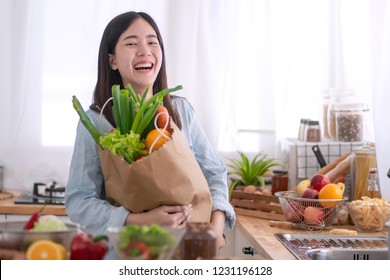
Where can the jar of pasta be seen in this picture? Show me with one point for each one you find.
(362, 160)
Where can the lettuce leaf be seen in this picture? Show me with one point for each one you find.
(127, 145)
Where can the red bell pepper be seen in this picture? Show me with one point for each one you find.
(85, 246)
(34, 218)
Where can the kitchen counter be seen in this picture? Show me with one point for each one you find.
(256, 230)
(8, 207)
(261, 236)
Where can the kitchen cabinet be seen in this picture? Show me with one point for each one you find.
(238, 243)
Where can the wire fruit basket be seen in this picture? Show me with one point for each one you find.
(309, 213)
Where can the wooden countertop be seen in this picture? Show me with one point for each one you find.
(261, 236)
(7, 206)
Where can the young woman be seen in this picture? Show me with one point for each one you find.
(132, 51)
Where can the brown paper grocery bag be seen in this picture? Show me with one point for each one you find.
(168, 176)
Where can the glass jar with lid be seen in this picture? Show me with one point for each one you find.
(350, 121)
(313, 131)
(336, 97)
(279, 181)
(363, 158)
(199, 242)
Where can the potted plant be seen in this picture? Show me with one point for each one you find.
(249, 172)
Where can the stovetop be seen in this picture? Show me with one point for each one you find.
(49, 193)
(300, 244)
(32, 199)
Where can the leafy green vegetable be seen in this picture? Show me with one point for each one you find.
(128, 145)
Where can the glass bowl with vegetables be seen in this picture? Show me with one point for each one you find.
(46, 232)
(135, 242)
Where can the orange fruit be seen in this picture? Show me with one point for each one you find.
(46, 250)
(155, 136)
(330, 191)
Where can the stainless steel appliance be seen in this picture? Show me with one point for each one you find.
(335, 247)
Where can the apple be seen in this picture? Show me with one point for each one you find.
(318, 181)
(294, 212)
(313, 216)
(310, 193)
(302, 186)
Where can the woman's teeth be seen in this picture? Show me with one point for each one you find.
(143, 66)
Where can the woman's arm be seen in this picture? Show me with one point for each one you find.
(85, 198)
(217, 223)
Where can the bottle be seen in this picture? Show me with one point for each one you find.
(373, 190)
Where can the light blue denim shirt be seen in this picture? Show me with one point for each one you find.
(85, 194)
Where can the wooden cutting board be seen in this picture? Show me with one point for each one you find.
(5, 195)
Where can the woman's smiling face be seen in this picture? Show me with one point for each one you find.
(138, 56)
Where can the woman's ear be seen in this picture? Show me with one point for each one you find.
(111, 58)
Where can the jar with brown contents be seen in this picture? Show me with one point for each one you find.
(199, 242)
(313, 132)
(349, 122)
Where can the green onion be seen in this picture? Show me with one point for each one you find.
(115, 108)
(146, 105)
(85, 120)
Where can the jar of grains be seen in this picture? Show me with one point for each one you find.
(337, 97)
(350, 121)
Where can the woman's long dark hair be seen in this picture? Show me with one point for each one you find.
(107, 77)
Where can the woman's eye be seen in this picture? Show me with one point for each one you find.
(131, 44)
(153, 43)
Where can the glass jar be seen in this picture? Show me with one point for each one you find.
(313, 132)
(350, 121)
(279, 181)
(336, 97)
(199, 242)
(325, 110)
(302, 129)
(362, 159)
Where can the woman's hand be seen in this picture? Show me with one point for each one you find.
(170, 216)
